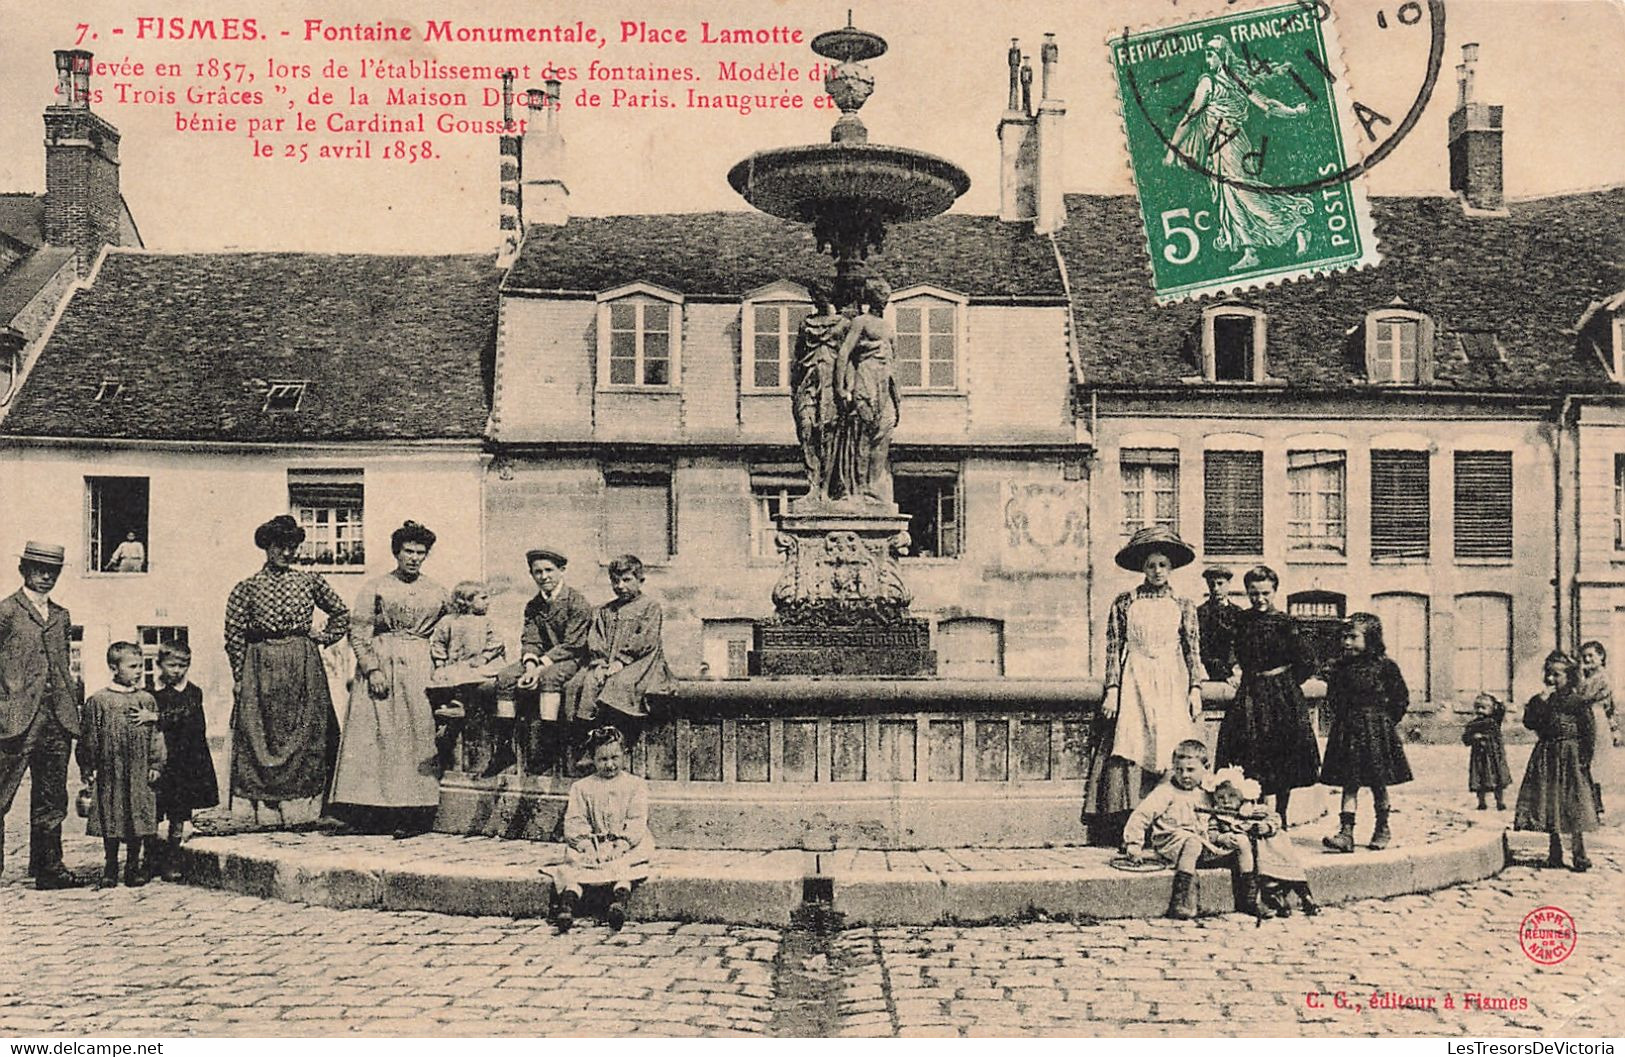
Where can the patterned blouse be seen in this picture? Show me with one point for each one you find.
(1190, 633)
(278, 603)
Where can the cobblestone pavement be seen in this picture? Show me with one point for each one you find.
(171, 960)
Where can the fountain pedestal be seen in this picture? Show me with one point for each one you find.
(842, 607)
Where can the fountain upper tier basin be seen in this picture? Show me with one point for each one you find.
(808, 183)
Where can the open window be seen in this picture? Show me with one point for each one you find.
(1233, 344)
(1399, 346)
(116, 521)
(930, 496)
(330, 506)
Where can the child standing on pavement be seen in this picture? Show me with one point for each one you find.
(1598, 695)
(606, 825)
(1487, 767)
(1172, 818)
(1367, 698)
(121, 756)
(1556, 794)
(188, 782)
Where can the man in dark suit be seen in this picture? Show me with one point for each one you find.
(39, 710)
(1217, 619)
(552, 647)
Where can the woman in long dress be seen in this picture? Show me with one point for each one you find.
(283, 730)
(1266, 731)
(388, 776)
(866, 393)
(1213, 137)
(1153, 684)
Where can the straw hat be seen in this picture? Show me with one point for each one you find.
(44, 553)
(1154, 540)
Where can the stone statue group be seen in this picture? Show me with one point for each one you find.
(844, 396)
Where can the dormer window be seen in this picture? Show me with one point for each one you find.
(1398, 346)
(1233, 343)
(284, 396)
(639, 337)
(770, 320)
(930, 330)
(110, 389)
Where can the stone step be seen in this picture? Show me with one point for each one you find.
(451, 874)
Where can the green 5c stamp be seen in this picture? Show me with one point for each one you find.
(1240, 158)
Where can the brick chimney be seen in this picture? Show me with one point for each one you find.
(1018, 146)
(511, 219)
(545, 198)
(82, 203)
(1051, 192)
(1475, 143)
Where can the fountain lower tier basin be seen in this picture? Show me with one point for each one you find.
(821, 764)
(821, 179)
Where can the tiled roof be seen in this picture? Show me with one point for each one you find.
(392, 348)
(729, 254)
(1516, 283)
(22, 216)
(28, 276)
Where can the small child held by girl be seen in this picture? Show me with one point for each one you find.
(606, 826)
(188, 783)
(121, 758)
(467, 653)
(1172, 817)
(1239, 817)
(1367, 697)
(1599, 697)
(1487, 767)
(1556, 794)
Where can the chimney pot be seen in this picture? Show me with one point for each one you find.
(1026, 86)
(1475, 143)
(1049, 53)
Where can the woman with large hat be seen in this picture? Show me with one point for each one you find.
(1153, 683)
(284, 735)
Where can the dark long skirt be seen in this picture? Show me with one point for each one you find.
(1363, 751)
(1556, 794)
(1266, 732)
(284, 735)
(1487, 767)
(1113, 787)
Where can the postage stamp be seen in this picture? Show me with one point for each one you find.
(1237, 138)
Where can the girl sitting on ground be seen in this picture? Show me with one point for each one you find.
(606, 828)
(1238, 817)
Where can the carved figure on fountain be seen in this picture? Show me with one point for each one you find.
(866, 393)
(812, 390)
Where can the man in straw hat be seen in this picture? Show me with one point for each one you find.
(1153, 683)
(39, 710)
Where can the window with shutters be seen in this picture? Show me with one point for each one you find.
(328, 504)
(638, 516)
(1400, 518)
(927, 346)
(1150, 488)
(1233, 499)
(929, 495)
(1398, 346)
(639, 338)
(768, 332)
(1483, 647)
(1405, 635)
(1314, 484)
(1619, 502)
(771, 490)
(1484, 504)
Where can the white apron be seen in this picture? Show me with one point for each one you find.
(1154, 714)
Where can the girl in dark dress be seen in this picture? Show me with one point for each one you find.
(1487, 767)
(188, 782)
(1556, 793)
(1367, 698)
(1266, 731)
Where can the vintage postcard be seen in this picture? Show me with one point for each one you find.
(785, 520)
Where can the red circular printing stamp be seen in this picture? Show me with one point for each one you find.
(1547, 935)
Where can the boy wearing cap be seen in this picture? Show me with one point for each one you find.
(1217, 617)
(39, 710)
(551, 649)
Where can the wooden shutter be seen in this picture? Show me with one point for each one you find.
(1400, 519)
(1233, 519)
(1483, 504)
